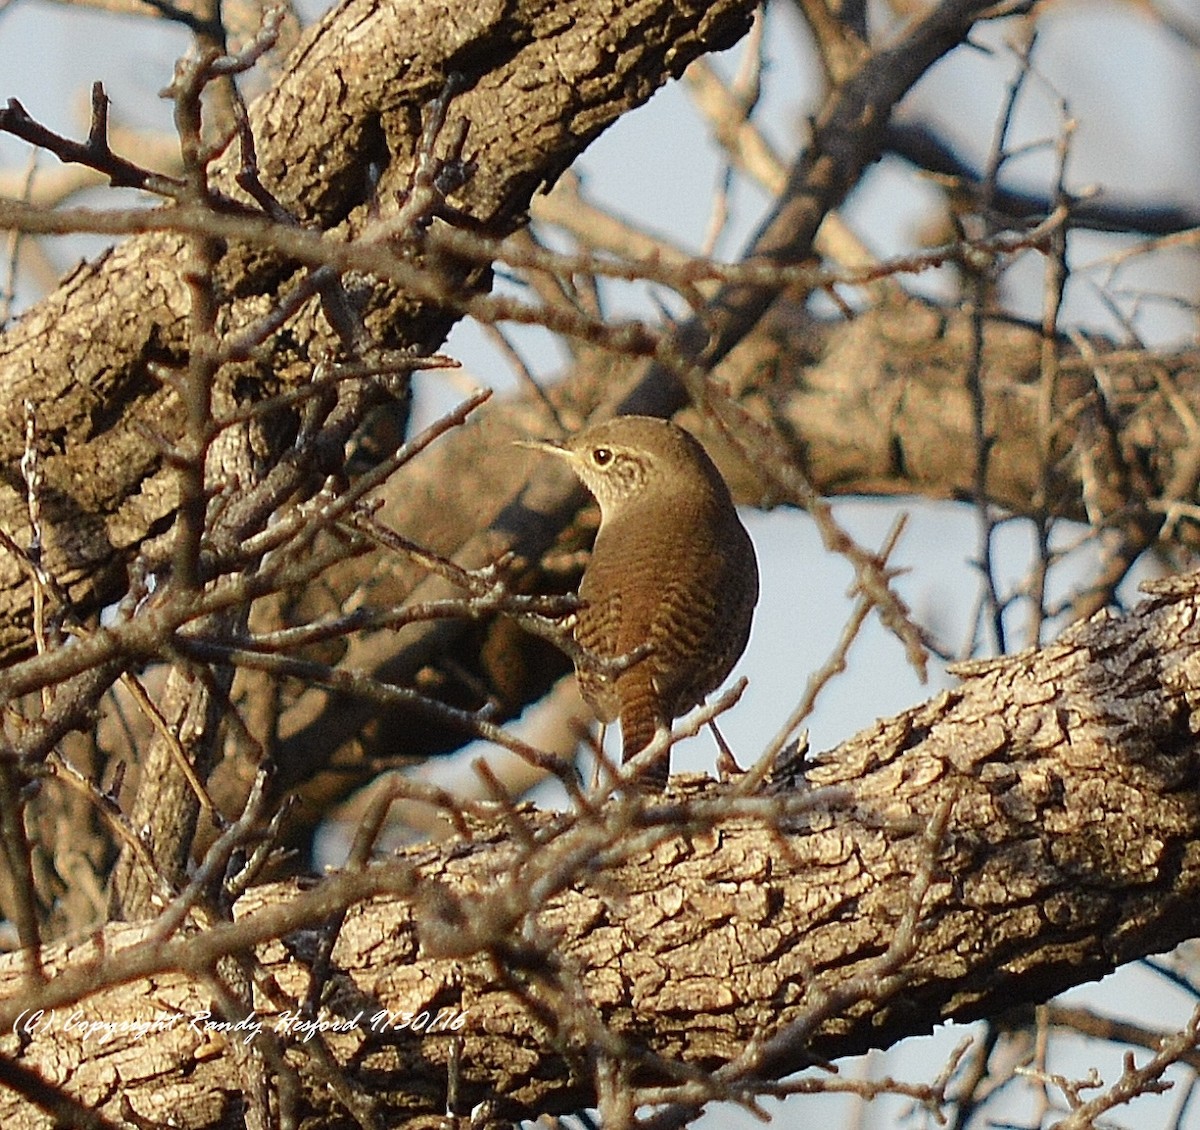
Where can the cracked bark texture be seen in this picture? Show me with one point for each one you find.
(1072, 845)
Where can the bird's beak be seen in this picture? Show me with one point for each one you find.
(542, 445)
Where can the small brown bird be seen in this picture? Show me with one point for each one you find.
(672, 573)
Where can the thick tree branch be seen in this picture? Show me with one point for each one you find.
(1061, 788)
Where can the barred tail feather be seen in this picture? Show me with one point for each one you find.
(639, 723)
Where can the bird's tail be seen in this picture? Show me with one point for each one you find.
(639, 723)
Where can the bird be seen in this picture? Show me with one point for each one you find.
(672, 581)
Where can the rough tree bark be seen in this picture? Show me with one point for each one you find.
(1027, 831)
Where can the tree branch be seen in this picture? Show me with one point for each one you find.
(682, 929)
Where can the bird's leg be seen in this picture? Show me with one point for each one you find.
(598, 759)
(727, 766)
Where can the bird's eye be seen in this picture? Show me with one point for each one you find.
(602, 456)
